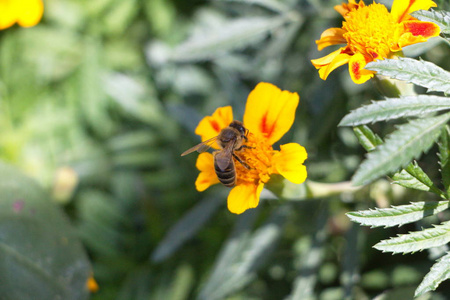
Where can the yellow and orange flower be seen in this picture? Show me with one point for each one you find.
(26, 13)
(370, 33)
(269, 114)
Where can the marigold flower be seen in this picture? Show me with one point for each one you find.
(269, 114)
(26, 13)
(370, 33)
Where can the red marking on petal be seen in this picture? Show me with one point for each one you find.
(356, 70)
(374, 55)
(421, 28)
(265, 129)
(411, 2)
(215, 125)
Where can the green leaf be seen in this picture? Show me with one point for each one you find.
(402, 146)
(415, 178)
(243, 254)
(218, 40)
(439, 272)
(186, 227)
(422, 73)
(444, 158)
(367, 138)
(441, 18)
(418, 240)
(40, 255)
(395, 108)
(397, 215)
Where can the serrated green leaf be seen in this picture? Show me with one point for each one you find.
(395, 108)
(235, 34)
(414, 177)
(441, 18)
(439, 272)
(421, 72)
(418, 240)
(367, 138)
(397, 215)
(402, 146)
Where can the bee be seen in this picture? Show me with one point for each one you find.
(230, 139)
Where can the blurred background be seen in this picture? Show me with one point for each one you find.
(100, 98)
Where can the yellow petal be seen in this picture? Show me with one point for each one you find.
(210, 126)
(331, 36)
(243, 197)
(345, 8)
(8, 15)
(270, 112)
(29, 12)
(356, 68)
(329, 63)
(207, 176)
(289, 162)
(402, 8)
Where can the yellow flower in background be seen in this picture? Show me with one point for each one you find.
(370, 33)
(269, 114)
(26, 13)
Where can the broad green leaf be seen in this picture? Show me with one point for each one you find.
(400, 147)
(439, 272)
(441, 18)
(397, 215)
(235, 34)
(367, 138)
(395, 108)
(418, 240)
(186, 227)
(40, 255)
(415, 178)
(444, 157)
(243, 254)
(419, 72)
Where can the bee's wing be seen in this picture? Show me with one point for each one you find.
(224, 158)
(202, 147)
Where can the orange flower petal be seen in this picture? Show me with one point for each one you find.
(402, 8)
(331, 36)
(289, 162)
(243, 197)
(29, 12)
(270, 112)
(207, 176)
(345, 8)
(356, 68)
(8, 15)
(210, 126)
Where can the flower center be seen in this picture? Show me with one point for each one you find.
(258, 158)
(371, 31)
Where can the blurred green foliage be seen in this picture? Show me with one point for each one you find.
(113, 90)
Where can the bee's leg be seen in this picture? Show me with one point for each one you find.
(242, 162)
(244, 146)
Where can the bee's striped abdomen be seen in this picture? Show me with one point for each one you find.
(227, 176)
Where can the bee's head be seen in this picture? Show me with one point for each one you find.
(239, 127)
